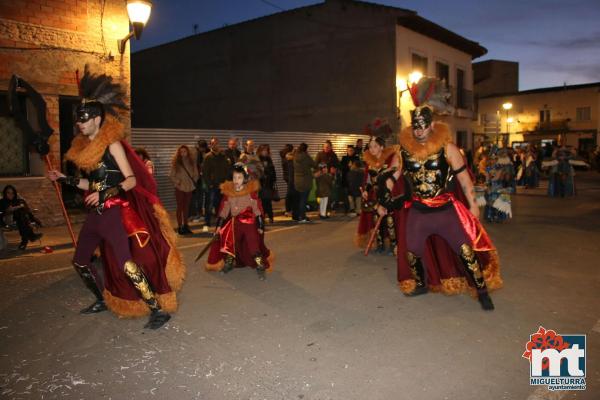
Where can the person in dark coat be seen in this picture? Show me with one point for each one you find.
(303, 178)
(345, 165)
(287, 164)
(355, 179)
(232, 152)
(215, 170)
(12, 204)
(268, 191)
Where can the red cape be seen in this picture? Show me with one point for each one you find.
(152, 244)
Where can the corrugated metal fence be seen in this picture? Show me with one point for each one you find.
(162, 143)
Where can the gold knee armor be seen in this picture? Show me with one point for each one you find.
(472, 265)
(137, 277)
(416, 268)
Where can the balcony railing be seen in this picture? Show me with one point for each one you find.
(461, 98)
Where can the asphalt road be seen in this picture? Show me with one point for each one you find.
(329, 323)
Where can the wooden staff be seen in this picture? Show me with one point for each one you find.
(374, 234)
(62, 204)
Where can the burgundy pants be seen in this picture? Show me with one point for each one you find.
(107, 226)
(444, 223)
(183, 200)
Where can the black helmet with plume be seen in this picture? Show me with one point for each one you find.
(99, 96)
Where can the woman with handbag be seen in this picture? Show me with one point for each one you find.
(184, 176)
(268, 192)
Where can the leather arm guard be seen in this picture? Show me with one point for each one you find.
(69, 180)
(384, 195)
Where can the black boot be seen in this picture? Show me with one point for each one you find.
(186, 230)
(261, 268)
(23, 244)
(86, 275)
(157, 317)
(418, 273)
(469, 260)
(229, 264)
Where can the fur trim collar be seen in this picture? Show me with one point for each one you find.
(439, 138)
(377, 163)
(228, 190)
(86, 153)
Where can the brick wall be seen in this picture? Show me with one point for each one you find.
(45, 42)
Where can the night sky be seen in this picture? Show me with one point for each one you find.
(554, 41)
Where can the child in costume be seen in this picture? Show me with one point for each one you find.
(239, 237)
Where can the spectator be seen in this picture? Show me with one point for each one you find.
(355, 179)
(200, 198)
(268, 191)
(324, 182)
(251, 159)
(232, 152)
(345, 164)
(359, 147)
(287, 164)
(13, 205)
(184, 176)
(215, 170)
(140, 151)
(303, 166)
(328, 156)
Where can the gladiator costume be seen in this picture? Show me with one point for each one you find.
(239, 237)
(375, 170)
(442, 246)
(142, 266)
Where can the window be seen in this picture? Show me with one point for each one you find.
(460, 89)
(419, 63)
(461, 139)
(584, 114)
(442, 71)
(544, 116)
(14, 157)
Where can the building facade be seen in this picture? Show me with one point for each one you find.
(47, 43)
(332, 66)
(492, 77)
(545, 114)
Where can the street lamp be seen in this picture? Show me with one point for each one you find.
(507, 106)
(414, 77)
(139, 12)
(404, 85)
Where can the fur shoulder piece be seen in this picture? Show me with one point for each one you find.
(439, 138)
(86, 153)
(228, 190)
(377, 163)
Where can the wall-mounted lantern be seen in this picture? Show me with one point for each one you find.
(139, 12)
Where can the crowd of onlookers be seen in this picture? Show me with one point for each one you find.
(326, 180)
(324, 183)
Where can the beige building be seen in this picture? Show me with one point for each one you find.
(327, 67)
(449, 59)
(542, 114)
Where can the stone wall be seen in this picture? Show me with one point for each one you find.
(46, 42)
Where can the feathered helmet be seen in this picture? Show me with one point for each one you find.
(428, 95)
(241, 168)
(99, 96)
